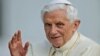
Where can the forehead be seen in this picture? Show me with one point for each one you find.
(56, 15)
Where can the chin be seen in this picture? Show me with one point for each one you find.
(57, 45)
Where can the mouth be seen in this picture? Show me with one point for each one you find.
(55, 37)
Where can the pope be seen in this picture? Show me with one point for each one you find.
(61, 21)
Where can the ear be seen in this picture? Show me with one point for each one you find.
(76, 24)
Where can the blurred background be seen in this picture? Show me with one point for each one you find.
(25, 15)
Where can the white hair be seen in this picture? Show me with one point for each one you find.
(70, 10)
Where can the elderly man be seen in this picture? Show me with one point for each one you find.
(60, 24)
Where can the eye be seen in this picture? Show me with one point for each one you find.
(60, 25)
(47, 25)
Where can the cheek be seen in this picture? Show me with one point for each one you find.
(46, 31)
(66, 34)
(47, 34)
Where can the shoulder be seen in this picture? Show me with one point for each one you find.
(87, 47)
(91, 51)
(87, 41)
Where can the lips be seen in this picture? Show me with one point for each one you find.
(55, 37)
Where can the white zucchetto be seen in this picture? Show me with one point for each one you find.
(60, 1)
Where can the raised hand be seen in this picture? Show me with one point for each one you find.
(15, 45)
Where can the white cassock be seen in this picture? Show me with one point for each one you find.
(78, 45)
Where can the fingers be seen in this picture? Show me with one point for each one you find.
(9, 45)
(16, 40)
(13, 41)
(19, 35)
(26, 47)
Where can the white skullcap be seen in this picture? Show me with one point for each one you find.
(59, 1)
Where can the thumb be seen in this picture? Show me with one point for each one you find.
(26, 47)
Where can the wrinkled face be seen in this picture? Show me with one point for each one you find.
(58, 27)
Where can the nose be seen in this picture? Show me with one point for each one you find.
(53, 30)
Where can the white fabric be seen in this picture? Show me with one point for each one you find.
(83, 47)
